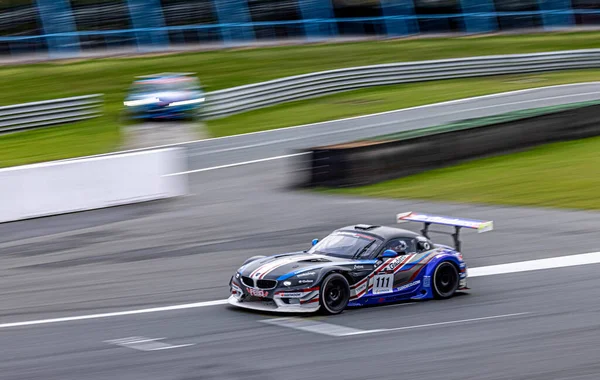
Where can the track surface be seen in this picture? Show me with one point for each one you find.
(183, 251)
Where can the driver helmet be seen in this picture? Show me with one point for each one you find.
(401, 247)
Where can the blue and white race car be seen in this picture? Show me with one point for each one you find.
(356, 266)
(165, 96)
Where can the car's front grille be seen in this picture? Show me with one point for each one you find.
(248, 281)
(266, 284)
(257, 299)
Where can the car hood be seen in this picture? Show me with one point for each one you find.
(273, 267)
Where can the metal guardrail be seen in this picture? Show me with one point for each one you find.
(50, 112)
(249, 97)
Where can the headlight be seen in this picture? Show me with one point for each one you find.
(306, 281)
(237, 275)
(142, 102)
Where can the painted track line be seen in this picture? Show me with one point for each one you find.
(539, 264)
(146, 344)
(516, 267)
(323, 328)
(308, 325)
(438, 324)
(237, 164)
(115, 314)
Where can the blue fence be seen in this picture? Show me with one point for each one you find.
(65, 30)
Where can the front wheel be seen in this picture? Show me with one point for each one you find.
(445, 280)
(335, 294)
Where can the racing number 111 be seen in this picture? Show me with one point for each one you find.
(383, 282)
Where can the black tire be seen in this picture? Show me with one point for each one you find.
(335, 294)
(445, 280)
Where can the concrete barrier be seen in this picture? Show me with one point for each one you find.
(67, 186)
(367, 162)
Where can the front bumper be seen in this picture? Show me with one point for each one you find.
(272, 306)
(158, 112)
(295, 301)
(464, 274)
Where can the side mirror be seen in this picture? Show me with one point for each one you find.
(389, 253)
(315, 241)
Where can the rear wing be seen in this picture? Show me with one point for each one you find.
(457, 223)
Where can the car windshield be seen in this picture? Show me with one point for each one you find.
(164, 85)
(346, 245)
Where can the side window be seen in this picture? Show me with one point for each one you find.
(401, 245)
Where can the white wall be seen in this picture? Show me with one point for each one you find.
(89, 183)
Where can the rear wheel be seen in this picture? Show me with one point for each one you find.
(335, 293)
(445, 280)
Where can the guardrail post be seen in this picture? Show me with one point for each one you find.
(399, 16)
(147, 14)
(230, 13)
(57, 18)
(314, 10)
(479, 16)
(556, 13)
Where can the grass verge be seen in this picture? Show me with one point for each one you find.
(561, 175)
(55, 143)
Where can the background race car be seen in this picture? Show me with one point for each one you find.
(165, 96)
(357, 266)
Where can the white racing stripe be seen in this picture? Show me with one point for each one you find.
(263, 270)
(517, 267)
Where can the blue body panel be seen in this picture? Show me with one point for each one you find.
(172, 97)
(420, 288)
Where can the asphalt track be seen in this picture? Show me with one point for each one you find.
(530, 325)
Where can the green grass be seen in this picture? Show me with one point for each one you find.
(386, 98)
(227, 68)
(54, 143)
(563, 175)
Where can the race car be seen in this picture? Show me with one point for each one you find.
(165, 96)
(356, 266)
